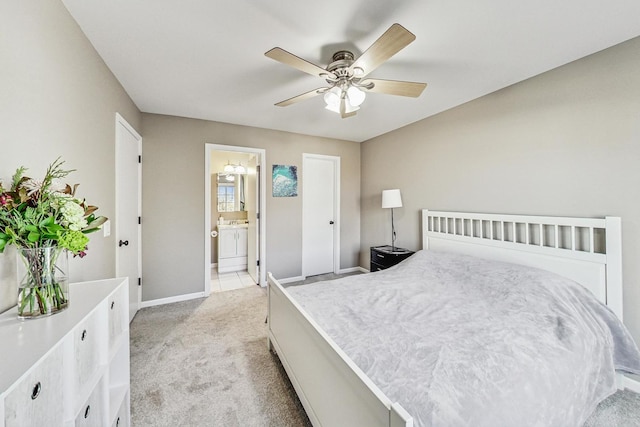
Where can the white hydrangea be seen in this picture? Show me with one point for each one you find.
(59, 199)
(72, 215)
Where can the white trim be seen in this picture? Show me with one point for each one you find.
(170, 300)
(291, 279)
(336, 207)
(631, 384)
(343, 271)
(262, 209)
(351, 270)
(120, 121)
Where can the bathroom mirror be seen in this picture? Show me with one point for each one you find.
(231, 192)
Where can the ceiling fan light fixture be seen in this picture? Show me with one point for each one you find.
(332, 99)
(356, 96)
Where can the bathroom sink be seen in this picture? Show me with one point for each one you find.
(225, 226)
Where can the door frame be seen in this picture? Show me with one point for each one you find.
(209, 148)
(120, 121)
(336, 208)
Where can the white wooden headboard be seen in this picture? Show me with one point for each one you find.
(587, 250)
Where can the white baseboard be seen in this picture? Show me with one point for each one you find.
(342, 271)
(631, 384)
(352, 270)
(169, 300)
(291, 279)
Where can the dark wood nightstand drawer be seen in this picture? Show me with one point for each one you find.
(383, 257)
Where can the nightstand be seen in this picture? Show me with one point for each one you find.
(383, 257)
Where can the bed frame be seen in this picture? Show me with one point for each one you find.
(334, 391)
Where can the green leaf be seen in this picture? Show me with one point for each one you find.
(47, 221)
(33, 237)
(53, 228)
(97, 222)
(3, 243)
(31, 227)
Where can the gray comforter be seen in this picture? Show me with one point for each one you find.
(460, 341)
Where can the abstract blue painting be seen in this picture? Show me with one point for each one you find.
(285, 181)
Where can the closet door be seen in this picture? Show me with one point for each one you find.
(320, 227)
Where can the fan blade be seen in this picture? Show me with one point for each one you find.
(302, 97)
(291, 60)
(395, 87)
(391, 42)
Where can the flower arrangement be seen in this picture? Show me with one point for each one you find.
(44, 214)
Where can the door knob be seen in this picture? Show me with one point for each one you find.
(331, 222)
(122, 243)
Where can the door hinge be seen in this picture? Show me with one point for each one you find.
(139, 159)
(139, 220)
(139, 281)
(258, 263)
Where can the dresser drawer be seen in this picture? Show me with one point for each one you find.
(122, 417)
(86, 350)
(382, 259)
(118, 313)
(376, 267)
(93, 412)
(38, 397)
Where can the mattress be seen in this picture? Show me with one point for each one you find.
(462, 341)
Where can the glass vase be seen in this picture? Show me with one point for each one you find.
(43, 287)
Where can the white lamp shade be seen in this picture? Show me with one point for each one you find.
(356, 96)
(332, 99)
(391, 198)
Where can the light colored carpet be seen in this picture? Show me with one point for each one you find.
(205, 363)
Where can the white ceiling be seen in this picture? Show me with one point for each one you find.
(205, 58)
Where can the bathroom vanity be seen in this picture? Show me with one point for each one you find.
(232, 247)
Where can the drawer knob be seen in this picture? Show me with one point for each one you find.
(86, 411)
(380, 256)
(84, 335)
(36, 391)
(113, 303)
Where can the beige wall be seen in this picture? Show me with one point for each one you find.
(173, 200)
(57, 98)
(566, 143)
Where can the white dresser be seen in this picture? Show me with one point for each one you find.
(72, 368)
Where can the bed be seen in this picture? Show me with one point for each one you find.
(328, 372)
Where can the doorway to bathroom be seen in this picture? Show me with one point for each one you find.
(235, 230)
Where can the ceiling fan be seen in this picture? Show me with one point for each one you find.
(347, 77)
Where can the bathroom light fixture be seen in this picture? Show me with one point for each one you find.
(392, 199)
(231, 168)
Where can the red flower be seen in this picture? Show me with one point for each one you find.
(5, 199)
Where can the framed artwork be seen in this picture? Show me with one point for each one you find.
(285, 181)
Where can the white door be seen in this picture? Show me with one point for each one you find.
(320, 227)
(128, 210)
(251, 204)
